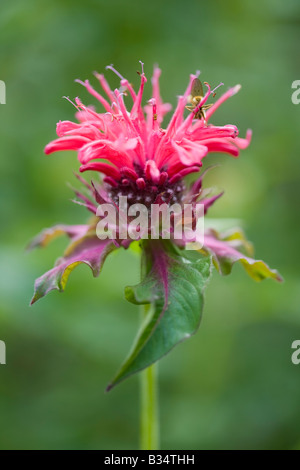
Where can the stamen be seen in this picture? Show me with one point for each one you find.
(70, 101)
(214, 90)
(94, 93)
(114, 104)
(111, 67)
(105, 86)
(178, 114)
(85, 108)
(123, 110)
(152, 102)
(125, 83)
(232, 91)
(142, 64)
(137, 113)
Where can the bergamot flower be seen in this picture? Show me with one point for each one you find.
(145, 162)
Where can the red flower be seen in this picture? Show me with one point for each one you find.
(144, 158)
(147, 164)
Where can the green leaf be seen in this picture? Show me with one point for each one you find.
(173, 284)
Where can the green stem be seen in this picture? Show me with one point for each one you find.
(149, 407)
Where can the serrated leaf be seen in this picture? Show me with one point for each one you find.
(173, 285)
(88, 250)
(74, 232)
(228, 248)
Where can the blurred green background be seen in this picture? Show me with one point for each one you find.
(233, 385)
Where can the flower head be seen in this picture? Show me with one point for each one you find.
(139, 158)
(147, 163)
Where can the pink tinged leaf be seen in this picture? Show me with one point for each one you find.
(237, 236)
(87, 203)
(84, 182)
(90, 207)
(99, 195)
(225, 255)
(91, 252)
(84, 198)
(208, 202)
(74, 232)
(197, 185)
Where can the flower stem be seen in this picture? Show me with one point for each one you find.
(149, 431)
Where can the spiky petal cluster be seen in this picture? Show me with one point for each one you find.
(138, 157)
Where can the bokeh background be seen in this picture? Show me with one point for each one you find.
(233, 385)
